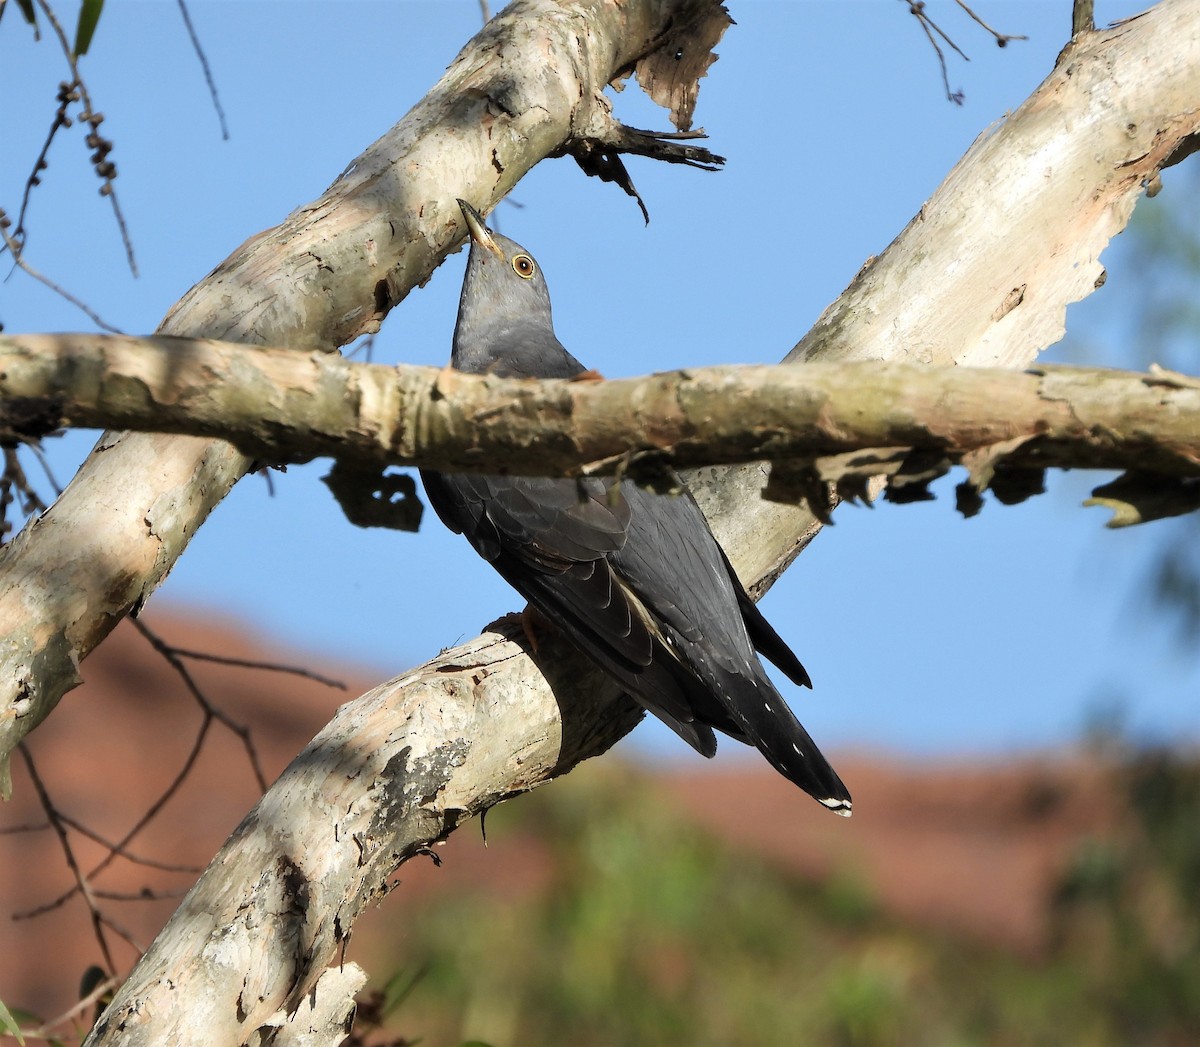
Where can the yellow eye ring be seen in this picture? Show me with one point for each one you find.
(523, 266)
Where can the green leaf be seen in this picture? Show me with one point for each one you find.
(89, 15)
(8, 1024)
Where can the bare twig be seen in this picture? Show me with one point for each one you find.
(120, 847)
(121, 931)
(1002, 39)
(364, 348)
(14, 481)
(101, 146)
(62, 292)
(60, 821)
(917, 8)
(172, 788)
(929, 27)
(211, 712)
(932, 30)
(35, 447)
(121, 850)
(81, 881)
(208, 77)
(253, 663)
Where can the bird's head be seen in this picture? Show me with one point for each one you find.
(504, 322)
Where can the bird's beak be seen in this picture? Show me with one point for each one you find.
(479, 231)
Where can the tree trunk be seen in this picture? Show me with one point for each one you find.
(982, 276)
(529, 84)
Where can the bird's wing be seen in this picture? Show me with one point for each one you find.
(553, 540)
(549, 523)
(763, 635)
(674, 564)
(638, 582)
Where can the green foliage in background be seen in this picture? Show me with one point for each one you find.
(1128, 910)
(649, 932)
(1159, 323)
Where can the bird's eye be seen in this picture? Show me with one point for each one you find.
(523, 266)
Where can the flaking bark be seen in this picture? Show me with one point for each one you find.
(281, 406)
(518, 92)
(1118, 106)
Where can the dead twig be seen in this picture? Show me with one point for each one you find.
(211, 711)
(121, 850)
(208, 77)
(81, 881)
(105, 169)
(252, 663)
(918, 9)
(118, 849)
(19, 260)
(1002, 39)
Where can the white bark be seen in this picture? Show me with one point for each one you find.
(392, 774)
(1029, 208)
(526, 86)
(983, 274)
(324, 1016)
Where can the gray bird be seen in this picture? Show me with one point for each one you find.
(636, 581)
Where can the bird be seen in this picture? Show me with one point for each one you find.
(635, 579)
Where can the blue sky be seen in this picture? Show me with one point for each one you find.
(924, 633)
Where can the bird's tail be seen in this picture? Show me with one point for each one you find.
(767, 723)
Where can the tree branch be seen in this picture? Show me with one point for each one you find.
(983, 274)
(390, 776)
(282, 406)
(330, 272)
(982, 277)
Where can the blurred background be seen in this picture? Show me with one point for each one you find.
(1003, 694)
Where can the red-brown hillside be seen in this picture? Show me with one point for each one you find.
(971, 849)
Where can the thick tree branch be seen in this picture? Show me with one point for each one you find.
(982, 277)
(983, 274)
(282, 406)
(331, 271)
(389, 777)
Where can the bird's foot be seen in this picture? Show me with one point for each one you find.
(534, 625)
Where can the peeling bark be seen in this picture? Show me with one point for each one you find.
(983, 274)
(518, 92)
(282, 407)
(1028, 209)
